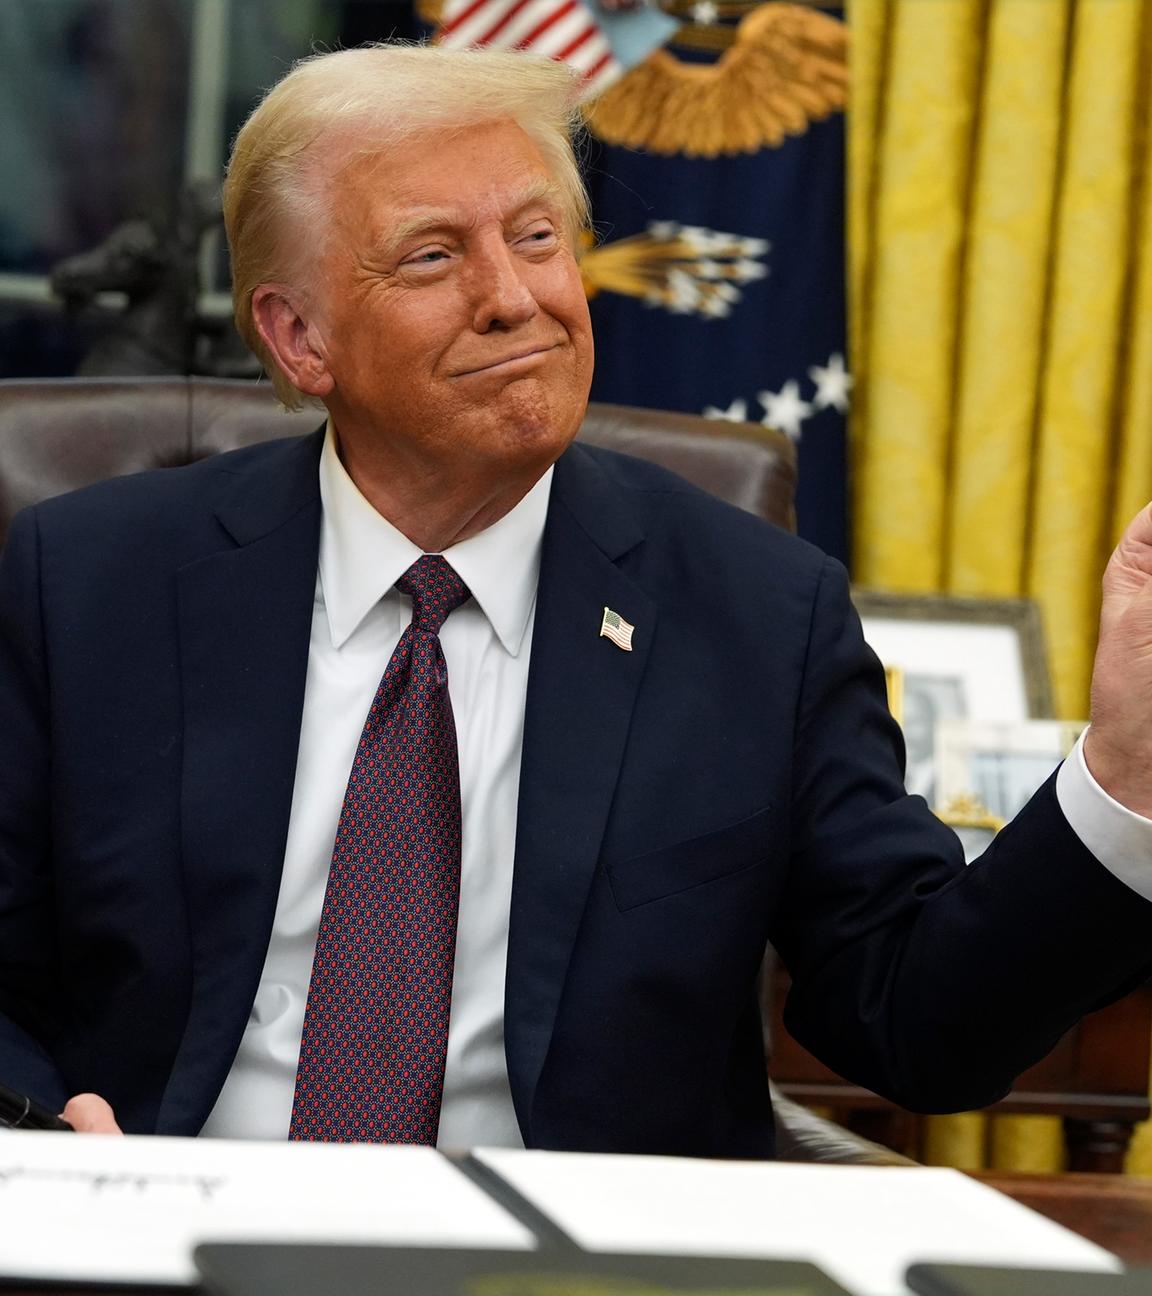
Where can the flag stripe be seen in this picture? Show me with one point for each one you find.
(564, 30)
(541, 27)
(455, 20)
(525, 22)
(602, 73)
(562, 34)
(523, 16)
(566, 53)
(490, 35)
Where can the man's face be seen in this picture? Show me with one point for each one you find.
(453, 320)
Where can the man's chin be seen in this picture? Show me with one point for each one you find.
(534, 428)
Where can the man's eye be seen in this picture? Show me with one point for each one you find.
(430, 257)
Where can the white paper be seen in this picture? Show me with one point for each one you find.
(863, 1225)
(100, 1208)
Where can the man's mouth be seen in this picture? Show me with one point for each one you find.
(525, 358)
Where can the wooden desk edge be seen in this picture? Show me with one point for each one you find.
(1114, 1211)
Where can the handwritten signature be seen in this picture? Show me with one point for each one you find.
(102, 1183)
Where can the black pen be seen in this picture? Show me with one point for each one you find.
(17, 1111)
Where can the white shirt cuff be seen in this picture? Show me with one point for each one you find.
(1119, 838)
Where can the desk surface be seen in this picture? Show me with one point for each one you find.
(1114, 1211)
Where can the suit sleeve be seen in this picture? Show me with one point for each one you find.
(923, 980)
(29, 1003)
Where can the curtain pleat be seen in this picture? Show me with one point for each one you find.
(1134, 481)
(1004, 296)
(1071, 516)
(869, 62)
(919, 208)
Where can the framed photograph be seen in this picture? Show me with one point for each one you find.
(994, 768)
(956, 659)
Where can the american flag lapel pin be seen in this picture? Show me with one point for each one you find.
(614, 627)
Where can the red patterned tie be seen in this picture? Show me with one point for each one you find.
(376, 1026)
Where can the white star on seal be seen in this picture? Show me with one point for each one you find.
(784, 410)
(833, 383)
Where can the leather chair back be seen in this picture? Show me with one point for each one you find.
(63, 433)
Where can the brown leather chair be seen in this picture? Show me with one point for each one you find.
(60, 434)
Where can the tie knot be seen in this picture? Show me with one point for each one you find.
(435, 590)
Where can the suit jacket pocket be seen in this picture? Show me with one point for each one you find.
(656, 874)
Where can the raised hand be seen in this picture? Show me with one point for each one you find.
(1118, 748)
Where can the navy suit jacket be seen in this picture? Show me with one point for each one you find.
(732, 781)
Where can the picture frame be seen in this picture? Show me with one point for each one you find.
(971, 821)
(994, 768)
(981, 659)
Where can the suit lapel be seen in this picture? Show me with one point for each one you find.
(245, 618)
(581, 690)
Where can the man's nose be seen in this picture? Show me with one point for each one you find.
(501, 297)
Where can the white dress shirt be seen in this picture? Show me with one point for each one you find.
(1119, 838)
(357, 621)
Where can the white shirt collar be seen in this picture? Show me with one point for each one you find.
(362, 555)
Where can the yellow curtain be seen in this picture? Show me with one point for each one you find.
(1000, 266)
(1001, 300)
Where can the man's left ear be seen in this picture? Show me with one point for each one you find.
(291, 339)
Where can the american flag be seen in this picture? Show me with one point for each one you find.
(614, 627)
(565, 30)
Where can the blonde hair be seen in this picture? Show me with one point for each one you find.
(387, 93)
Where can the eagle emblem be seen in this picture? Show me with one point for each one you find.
(685, 269)
(782, 66)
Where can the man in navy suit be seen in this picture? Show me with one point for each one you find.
(673, 743)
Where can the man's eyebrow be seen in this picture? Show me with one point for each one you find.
(430, 220)
(541, 190)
